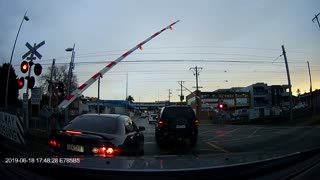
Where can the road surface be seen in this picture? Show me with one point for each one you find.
(220, 140)
(215, 139)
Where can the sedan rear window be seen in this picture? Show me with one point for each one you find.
(176, 112)
(99, 124)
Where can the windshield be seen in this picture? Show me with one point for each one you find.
(173, 84)
(99, 124)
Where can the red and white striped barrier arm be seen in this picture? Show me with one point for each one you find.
(70, 98)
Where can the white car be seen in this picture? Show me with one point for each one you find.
(152, 118)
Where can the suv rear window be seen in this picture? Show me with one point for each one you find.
(170, 113)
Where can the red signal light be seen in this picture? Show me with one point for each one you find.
(220, 106)
(20, 83)
(24, 66)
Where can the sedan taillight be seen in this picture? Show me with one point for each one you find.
(53, 143)
(105, 151)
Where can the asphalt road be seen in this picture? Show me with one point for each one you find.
(220, 140)
(214, 139)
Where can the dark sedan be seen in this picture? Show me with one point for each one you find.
(98, 135)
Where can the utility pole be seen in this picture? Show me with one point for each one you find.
(71, 67)
(98, 103)
(181, 95)
(311, 94)
(289, 81)
(196, 72)
(316, 17)
(310, 77)
(51, 83)
(126, 87)
(169, 95)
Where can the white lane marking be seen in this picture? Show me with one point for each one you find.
(224, 135)
(237, 139)
(217, 147)
(255, 131)
(281, 132)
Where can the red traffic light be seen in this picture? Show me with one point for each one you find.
(222, 106)
(24, 66)
(37, 69)
(20, 82)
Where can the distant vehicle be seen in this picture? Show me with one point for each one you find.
(222, 116)
(98, 135)
(300, 106)
(152, 118)
(144, 115)
(177, 123)
(240, 114)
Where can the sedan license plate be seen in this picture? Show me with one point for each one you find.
(180, 126)
(73, 147)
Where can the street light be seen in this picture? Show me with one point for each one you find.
(71, 67)
(25, 17)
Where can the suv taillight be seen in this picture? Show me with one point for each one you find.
(196, 122)
(160, 123)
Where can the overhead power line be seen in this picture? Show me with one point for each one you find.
(177, 60)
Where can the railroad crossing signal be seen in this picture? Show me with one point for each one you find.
(26, 66)
(33, 51)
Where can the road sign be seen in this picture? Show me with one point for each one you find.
(12, 127)
(36, 96)
(33, 50)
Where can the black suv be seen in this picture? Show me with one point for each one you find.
(177, 123)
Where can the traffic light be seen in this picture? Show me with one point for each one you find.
(31, 82)
(24, 66)
(20, 82)
(221, 106)
(37, 69)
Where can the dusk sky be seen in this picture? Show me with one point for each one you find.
(234, 41)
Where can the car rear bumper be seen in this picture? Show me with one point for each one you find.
(176, 135)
